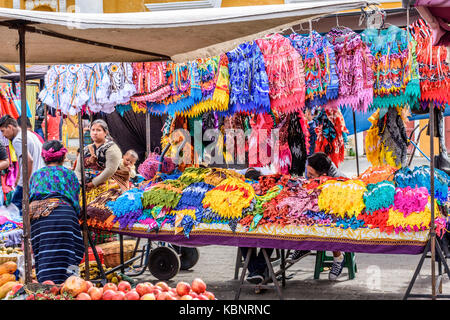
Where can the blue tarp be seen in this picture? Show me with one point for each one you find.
(363, 124)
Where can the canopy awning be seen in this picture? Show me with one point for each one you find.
(168, 35)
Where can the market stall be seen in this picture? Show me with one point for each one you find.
(216, 89)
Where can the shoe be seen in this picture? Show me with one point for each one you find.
(336, 269)
(297, 255)
(255, 277)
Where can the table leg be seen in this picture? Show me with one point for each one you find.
(238, 263)
(283, 269)
(272, 274)
(244, 271)
(122, 268)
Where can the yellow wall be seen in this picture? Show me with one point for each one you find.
(44, 8)
(424, 143)
(6, 3)
(70, 5)
(116, 6)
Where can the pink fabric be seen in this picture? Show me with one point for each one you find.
(354, 61)
(50, 154)
(409, 200)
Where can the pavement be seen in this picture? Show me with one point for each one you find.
(379, 276)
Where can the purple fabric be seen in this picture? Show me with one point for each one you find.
(12, 238)
(284, 242)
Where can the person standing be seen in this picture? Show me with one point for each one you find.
(39, 118)
(11, 130)
(56, 236)
(53, 126)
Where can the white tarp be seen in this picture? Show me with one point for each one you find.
(181, 35)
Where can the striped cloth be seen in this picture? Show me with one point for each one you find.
(57, 244)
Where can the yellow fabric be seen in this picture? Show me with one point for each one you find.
(138, 108)
(230, 202)
(377, 153)
(92, 194)
(373, 142)
(12, 152)
(342, 197)
(31, 99)
(179, 215)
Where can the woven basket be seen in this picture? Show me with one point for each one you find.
(111, 252)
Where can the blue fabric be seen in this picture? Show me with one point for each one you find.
(57, 244)
(363, 123)
(362, 120)
(17, 198)
(40, 132)
(18, 105)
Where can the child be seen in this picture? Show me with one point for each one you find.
(128, 162)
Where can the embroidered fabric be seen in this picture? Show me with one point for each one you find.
(88, 87)
(150, 79)
(433, 69)
(184, 80)
(214, 83)
(297, 144)
(353, 61)
(386, 140)
(283, 160)
(392, 67)
(260, 141)
(249, 83)
(285, 71)
(329, 129)
(321, 78)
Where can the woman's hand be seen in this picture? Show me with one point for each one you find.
(90, 185)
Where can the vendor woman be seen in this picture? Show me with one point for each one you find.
(319, 164)
(101, 162)
(56, 236)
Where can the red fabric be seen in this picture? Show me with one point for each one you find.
(53, 127)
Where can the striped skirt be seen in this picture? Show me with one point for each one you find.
(57, 244)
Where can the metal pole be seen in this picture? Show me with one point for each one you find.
(356, 142)
(147, 133)
(83, 197)
(45, 122)
(25, 169)
(432, 226)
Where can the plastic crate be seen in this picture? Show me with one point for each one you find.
(92, 257)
